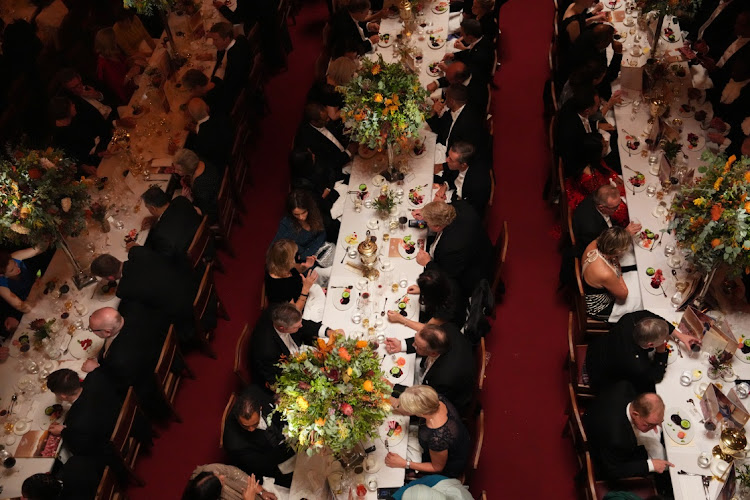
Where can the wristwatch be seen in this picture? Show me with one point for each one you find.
(408, 464)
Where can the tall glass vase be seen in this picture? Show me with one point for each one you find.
(700, 299)
(390, 155)
(80, 277)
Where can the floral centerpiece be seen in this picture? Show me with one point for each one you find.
(385, 202)
(333, 396)
(668, 7)
(148, 7)
(710, 218)
(384, 105)
(42, 329)
(40, 197)
(720, 364)
(98, 213)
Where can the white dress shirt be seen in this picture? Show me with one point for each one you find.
(222, 65)
(459, 182)
(586, 123)
(650, 440)
(722, 5)
(198, 125)
(288, 342)
(428, 362)
(359, 28)
(329, 135)
(736, 45)
(435, 244)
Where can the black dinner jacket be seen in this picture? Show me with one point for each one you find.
(464, 250)
(266, 348)
(344, 27)
(722, 75)
(92, 417)
(588, 223)
(616, 357)
(452, 373)
(469, 127)
(479, 93)
(258, 452)
(242, 14)
(571, 135)
(325, 151)
(172, 234)
(479, 58)
(214, 141)
(614, 449)
(476, 187)
(237, 69)
(720, 33)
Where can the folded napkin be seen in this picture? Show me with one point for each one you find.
(337, 210)
(269, 484)
(440, 153)
(316, 301)
(633, 303)
(701, 80)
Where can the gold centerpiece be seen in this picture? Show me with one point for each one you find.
(731, 445)
(368, 255)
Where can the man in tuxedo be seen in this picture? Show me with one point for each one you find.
(719, 65)
(709, 27)
(593, 215)
(575, 123)
(330, 149)
(280, 332)
(211, 91)
(155, 281)
(95, 406)
(624, 433)
(213, 137)
(173, 224)
(233, 59)
(478, 51)
(592, 44)
(477, 91)
(464, 177)
(457, 121)
(349, 23)
(252, 442)
(446, 362)
(90, 103)
(83, 137)
(461, 247)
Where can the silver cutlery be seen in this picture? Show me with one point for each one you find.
(342, 286)
(13, 400)
(382, 313)
(345, 253)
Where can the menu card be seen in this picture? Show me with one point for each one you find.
(717, 407)
(730, 484)
(631, 78)
(713, 337)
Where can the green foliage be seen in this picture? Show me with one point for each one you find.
(148, 7)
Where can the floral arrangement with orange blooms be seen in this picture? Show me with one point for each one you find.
(148, 7)
(711, 218)
(682, 7)
(39, 196)
(384, 104)
(332, 396)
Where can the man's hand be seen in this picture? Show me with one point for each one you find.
(606, 126)
(332, 333)
(440, 193)
(417, 214)
(688, 340)
(373, 27)
(395, 317)
(437, 107)
(4, 353)
(617, 47)
(432, 87)
(148, 222)
(89, 365)
(413, 290)
(661, 465)
(374, 39)
(392, 345)
(459, 44)
(633, 228)
(423, 258)
(56, 429)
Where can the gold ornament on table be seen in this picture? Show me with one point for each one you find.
(120, 140)
(731, 445)
(405, 10)
(368, 255)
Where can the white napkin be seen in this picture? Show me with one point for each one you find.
(316, 301)
(269, 484)
(337, 210)
(634, 301)
(440, 153)
(701, 80)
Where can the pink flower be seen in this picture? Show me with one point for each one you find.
(346, 409)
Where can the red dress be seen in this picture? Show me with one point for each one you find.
(578, 189)
(112, 73)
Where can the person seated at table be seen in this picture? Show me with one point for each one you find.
(113, 68)
(440, 300)
(708, 28)
(16, 281)
(454, 120)
(475, 50)
(81, 476)
(484, 12)
(154, 280)
(280, 331)
(223, 482)
(442, 435)
(90, 103)
(593, 43)
(348, 23)
(307, 172)
(302, 224)
(41, 486)
(464, 177)
(340, 72)
(81, 137)
(731, 107)
(285, 279)
(213, 137)
(460, 248)
(601, 273)
(329, 148)
(719, 64)
(600, 210)
(253, 442)
(589, 74)
(434, 486)
(172, 224)
(233, 58)
(201, 182)
(130, 34)
(446, 363)
(458, 72)
(210, 91)
(95, 406)
(576, 19)
(624, 432)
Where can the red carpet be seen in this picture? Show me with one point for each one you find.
(524, 455)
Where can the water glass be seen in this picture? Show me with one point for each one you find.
(651, 190)
(669, 250)
(403, 281)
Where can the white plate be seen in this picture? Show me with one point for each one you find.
(378, 180)
(436, 74)
(444, 5)
(700, 143)
(686, 110)
(629, 186)
(675, 33)
(726, 131)
(642, 242)
(412, 203)
(393, 440)
(350, 240)
(336, 296)
(439, 41)
(652, 290)
(612, 4)
(412, 307)
(384, 43)
(672, 357)
(402, 250)
(744, 357)
(672, 429)
(627, 140)
(21, 427)
(77, 351)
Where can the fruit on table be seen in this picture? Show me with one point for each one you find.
(650, 271)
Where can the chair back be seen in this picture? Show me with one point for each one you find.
(575, 423)
(481, 354)
(586, 324)
(197, 250)
(227, 409)
(125, 445)
(501, 252)
(227, 208)
(241, 370)
(204, 295)
(476, 451)
(168, 353)
(109, 488)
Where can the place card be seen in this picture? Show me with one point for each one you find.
(704, 328)
(730, 484)
(631, 78)
(717, 407)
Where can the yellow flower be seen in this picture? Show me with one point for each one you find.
(302, 357)
(747, 207)
(699, 201)
(367, 385)
(302, 403)
(378, 98)
(349, 371)
(375, 69)
(718, 183)
(388, 102)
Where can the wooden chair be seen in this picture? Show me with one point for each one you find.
(197, 250)
(109, 488)
(596, 490)
(227, 409)
(564, 211)
(476, 452)
(227, 214)
(574, 427)
(501, 252)
(490, 201)
(481, 363)
(125, 445)
(588, 325)
(263, 297)
(577, 359)
(241, 370)
(203, 306)
(166, 380)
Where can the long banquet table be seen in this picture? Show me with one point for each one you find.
(644, 208)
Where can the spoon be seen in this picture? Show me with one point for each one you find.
(382, 313)
(13, 400)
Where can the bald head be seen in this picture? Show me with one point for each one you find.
(649, 404)
(106, 322)
(197, 108)
(457, 72)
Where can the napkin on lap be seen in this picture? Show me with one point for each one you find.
(701, 80)
(337, 210)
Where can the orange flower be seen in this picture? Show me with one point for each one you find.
(747, 176)
(320, 421)
(344, 354)
(747, 206)
(361, 344)
(715, 242)
(716, 212)
(378, 98)
(321, 344)
(375, 69)
(367, 385)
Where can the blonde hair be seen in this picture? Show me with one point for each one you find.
(438, 213)
(419, 400)
(105, 44)
(280, 256)
(613, 241)
(341, 70)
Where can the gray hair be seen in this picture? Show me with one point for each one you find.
(648, 403)
(187, 160)
(605, 193)
(650, 330)
(285, 315)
